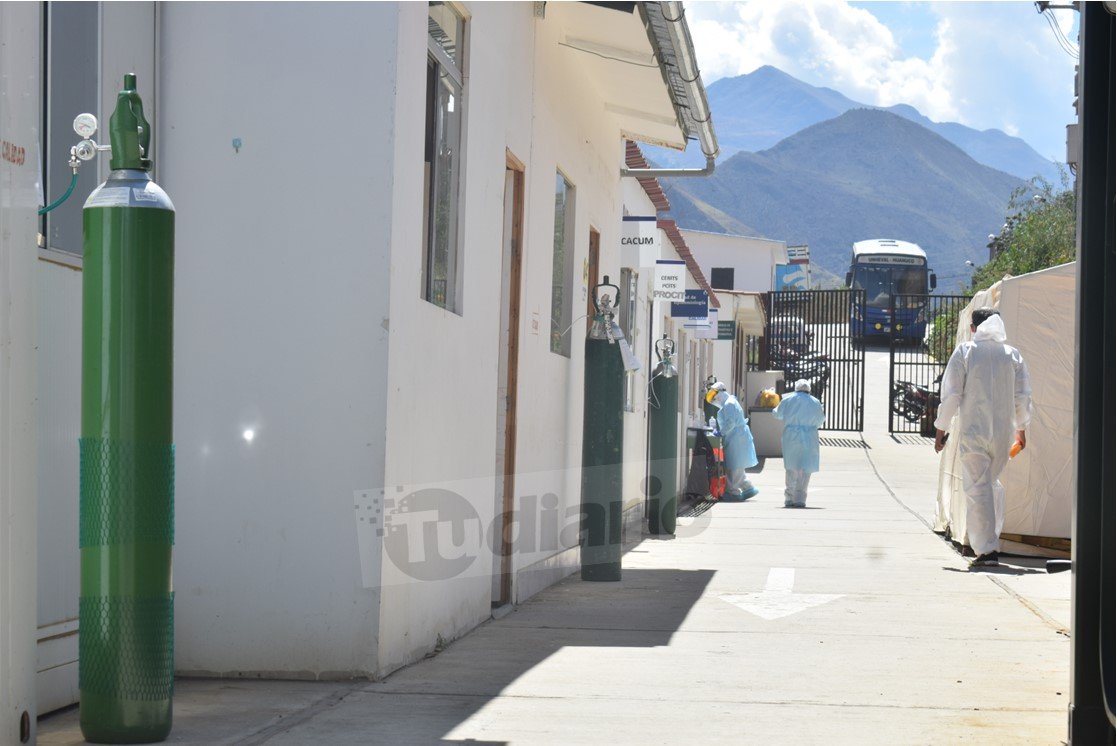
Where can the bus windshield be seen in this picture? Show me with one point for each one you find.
(881, 282)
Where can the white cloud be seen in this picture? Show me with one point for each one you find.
(1006, 70)
(993, 64)
(824, 42)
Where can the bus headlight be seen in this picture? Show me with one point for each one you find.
(877, 326)
(899, 327)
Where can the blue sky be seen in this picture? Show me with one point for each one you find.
(983, 64)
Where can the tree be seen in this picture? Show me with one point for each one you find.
(1038, 233)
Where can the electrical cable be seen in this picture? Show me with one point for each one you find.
(653, 400)
(564, 333)
(63, 198)
(1066, 45)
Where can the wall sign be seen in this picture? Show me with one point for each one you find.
(695, 306)
(640, 233)
(670, 280)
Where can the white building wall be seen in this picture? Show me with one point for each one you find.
(281, 315)
(525, 94)
(441, 408)
(722, 352)
(19, 199)
(753, 259)
(304, 390)
(636, 202)
(59, 425)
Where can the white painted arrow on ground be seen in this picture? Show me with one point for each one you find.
(777, 600)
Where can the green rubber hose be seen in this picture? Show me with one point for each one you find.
(63, 198)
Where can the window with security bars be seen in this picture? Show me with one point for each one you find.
(445, 93)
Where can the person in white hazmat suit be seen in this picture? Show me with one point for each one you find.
(802, 415)
(740, 451)
(986, 385)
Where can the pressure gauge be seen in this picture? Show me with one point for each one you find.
(85, 125)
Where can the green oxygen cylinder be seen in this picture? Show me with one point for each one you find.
(663, 440)
(126, 609)
(602, 444)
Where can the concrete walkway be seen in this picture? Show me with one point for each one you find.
(848, 622)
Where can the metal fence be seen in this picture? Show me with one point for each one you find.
(917, 360)
(808, 337)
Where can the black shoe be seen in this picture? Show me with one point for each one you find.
(992, 559)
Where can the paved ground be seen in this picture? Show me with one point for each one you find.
(885, 638)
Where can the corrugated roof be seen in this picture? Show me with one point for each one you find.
(672, 230)
(634, 158)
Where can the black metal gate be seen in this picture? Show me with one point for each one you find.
(921, 341)
(808, 337)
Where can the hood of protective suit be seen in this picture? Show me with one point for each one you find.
(992, 329)
(720, 399)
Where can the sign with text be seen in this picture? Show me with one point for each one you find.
(696, 305)
(890, 259)
(727, 330)
(670, 280)
(706, 328)
(640, 232)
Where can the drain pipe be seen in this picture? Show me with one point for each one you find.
(679, 32)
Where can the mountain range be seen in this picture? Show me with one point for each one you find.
(755, 111)
(867, 173)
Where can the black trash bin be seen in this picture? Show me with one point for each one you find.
(706, 477)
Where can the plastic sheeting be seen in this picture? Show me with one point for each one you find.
(1039, 314)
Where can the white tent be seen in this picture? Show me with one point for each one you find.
(1039, 314)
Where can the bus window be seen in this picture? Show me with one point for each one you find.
(910, 281)
(877, 284)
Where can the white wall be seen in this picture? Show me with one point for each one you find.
(526, 94)
(19, 199)
(281, 315)
(635, 451)
(59, 424)
(285, 327)
(753, 259)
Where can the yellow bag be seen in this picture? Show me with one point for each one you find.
(768, 398)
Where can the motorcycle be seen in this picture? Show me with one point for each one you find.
(917, 403)
(814, 367)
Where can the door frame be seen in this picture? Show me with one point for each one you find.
(593, 273)
(511, 314)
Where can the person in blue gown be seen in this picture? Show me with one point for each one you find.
(740, 451)
(802, 415)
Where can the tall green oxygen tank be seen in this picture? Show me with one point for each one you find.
(663, 440)
(602, 444)
(126, 637)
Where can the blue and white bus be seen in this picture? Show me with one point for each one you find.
(884, 268)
